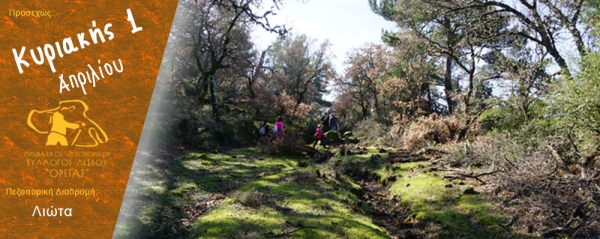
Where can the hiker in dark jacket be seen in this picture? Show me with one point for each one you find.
(325, 120)
(334, 124)
(263, 131)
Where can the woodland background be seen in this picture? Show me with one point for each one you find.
(509, 89)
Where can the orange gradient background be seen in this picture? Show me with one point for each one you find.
(118, 104)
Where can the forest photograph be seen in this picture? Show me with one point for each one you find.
(461, 119)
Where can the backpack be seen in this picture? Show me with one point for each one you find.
(275, 129)
(326, 122)
(263, 130)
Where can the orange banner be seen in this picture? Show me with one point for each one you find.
(77, 78)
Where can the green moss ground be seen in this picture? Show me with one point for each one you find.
(443, 203)
(264, 197)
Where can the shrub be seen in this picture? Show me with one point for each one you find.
(287, 147)
(429, 130)
(207, 133)
(533, 183)
(575, 105)
(370, 131)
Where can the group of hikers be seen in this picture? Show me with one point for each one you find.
(278, 130)
(329, 122)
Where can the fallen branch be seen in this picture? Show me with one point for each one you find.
(287, 233)
(430, 151)
(299, 227)
(476, 177)
(556, 156)
(452, 177)
(552, 232)
(553, 171)
(446, 169)
(473, 177)
(567, 227)
(571, 141)
(488, 173)
(402, 157)
(509, 162)
(507, 226)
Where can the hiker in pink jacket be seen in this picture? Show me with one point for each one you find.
(279, 130)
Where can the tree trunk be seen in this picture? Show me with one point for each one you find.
(570, 24)
(250, 90)
(376, 102)
(448, 73)
(448, 83)
(365, 111)
(213, 96)
(430, 100)
(470, 89)
(559, 60)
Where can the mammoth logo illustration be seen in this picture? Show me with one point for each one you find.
(70, 114)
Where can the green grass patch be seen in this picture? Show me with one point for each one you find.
(421, 187)
(412, 165)
(296, 201)
(179, 191)
(273, 197)
(460, 216)
(155, 189)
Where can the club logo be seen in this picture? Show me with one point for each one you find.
(65, 123)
